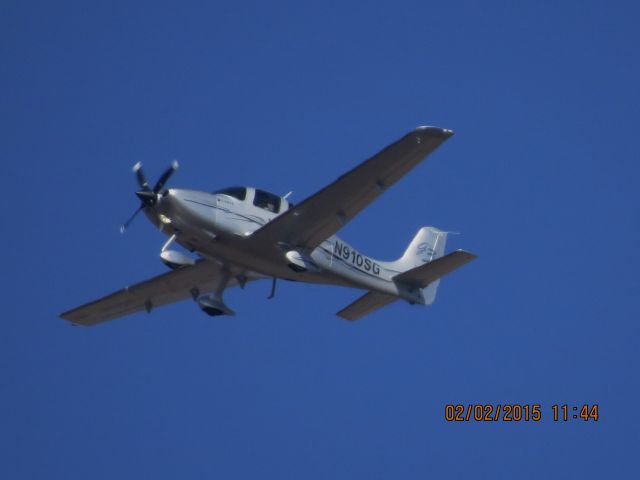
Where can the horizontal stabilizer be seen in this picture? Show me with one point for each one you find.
(366, 304)
(423, 275)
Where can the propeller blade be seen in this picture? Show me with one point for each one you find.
(126, 224)
(165, 176)
(142, 181)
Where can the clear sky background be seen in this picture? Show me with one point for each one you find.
(541, 179)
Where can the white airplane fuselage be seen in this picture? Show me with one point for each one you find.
(216, 226)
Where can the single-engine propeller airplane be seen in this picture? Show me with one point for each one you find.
(241, 234)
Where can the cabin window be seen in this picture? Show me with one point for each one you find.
(266, 200)
(236, 192)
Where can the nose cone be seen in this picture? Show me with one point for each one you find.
(147, 197)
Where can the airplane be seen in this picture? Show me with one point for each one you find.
(244, 234)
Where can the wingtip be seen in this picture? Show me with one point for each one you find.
(435, 131)
(469, 255)
(74, 322)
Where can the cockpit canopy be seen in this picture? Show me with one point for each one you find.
(266, 200)
(236, 192)
(260, 198)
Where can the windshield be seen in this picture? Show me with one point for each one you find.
(236, 192)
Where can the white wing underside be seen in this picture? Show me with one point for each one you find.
(171, 287)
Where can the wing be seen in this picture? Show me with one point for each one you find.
(321, 215)
(168, 288)
(366, 304)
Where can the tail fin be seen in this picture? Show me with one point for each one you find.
(426, 246)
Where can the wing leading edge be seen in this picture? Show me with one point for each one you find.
(168, 288)
(321, 215)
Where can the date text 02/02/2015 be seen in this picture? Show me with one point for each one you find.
(515, 412)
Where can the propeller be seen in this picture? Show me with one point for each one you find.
(148, 196)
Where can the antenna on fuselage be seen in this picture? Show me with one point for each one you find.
(288, 195)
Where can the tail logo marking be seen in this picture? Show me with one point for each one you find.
(423, 249)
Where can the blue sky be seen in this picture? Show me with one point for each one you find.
(540, 179)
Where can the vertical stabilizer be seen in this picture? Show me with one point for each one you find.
(426, 246)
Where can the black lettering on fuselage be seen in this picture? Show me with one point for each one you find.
(356, 259)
